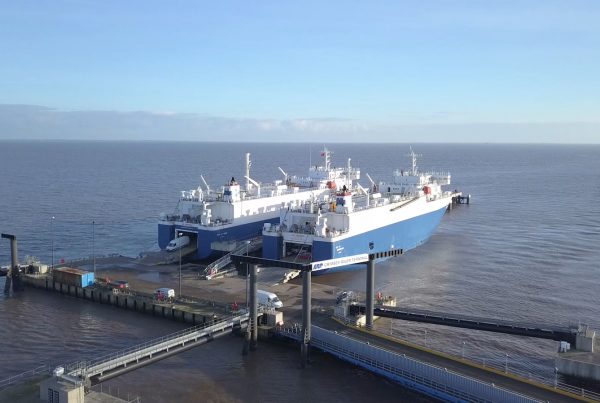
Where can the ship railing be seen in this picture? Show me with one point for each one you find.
(336, 232)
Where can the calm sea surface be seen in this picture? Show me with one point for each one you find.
(526, 249)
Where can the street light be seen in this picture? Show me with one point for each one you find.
(463, 350)
(178, 235)
(555, 377)
(93, 247)
(247, 266)
(506, 364)
(52, 239)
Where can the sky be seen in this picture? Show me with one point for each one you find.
(406, 71)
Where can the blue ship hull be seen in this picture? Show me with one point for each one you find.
(166, 232)
(405, 235)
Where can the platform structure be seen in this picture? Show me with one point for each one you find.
(542, 331)
(306, 269)
(13, 272)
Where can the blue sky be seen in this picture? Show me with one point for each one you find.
(374, 70)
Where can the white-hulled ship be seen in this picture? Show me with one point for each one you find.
(216, 221)
(401, 214)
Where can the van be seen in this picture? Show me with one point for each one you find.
(268, 299)
(178, 243)
(163, 294)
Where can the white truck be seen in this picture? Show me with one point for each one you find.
(268, 299)
(164, 294)
(178, 243)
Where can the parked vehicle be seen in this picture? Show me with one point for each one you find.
(178, 243)
(120, 284)
(164, 294)
(268, 299)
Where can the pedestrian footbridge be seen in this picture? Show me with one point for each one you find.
(146, 353)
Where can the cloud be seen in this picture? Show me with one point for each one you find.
(38, 122)
(30, 122)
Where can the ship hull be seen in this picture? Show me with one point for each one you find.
(406, 233)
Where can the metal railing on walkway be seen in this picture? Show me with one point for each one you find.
(502, 363)
(87, 369)
(23, 376)
(250, 246)
(427, 378)
(112, 394)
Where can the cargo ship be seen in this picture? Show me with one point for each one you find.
(397, 215)
(216, 221)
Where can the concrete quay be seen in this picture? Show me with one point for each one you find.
(583, 364)
(187, 311)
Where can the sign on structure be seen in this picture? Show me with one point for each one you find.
(341, 261)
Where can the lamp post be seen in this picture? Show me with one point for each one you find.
(178, 235)
(463, 350)
(52, 239)
(506, 364)
(94, 247)
(247, 292)
(555, 377)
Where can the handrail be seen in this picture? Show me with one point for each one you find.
(500, 364)
(224, 260)
(79, 365)
(13, 379)
(398, 371)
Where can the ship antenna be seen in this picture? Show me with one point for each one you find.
(327, 155)
(414, 161)
(205, 184)
(247, 176)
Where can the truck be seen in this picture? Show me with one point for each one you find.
(164, 294)
(178, 243)
(268, 299)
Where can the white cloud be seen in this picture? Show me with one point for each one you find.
(37, 122)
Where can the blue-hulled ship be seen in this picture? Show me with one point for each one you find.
(218, 220)
(397, 215)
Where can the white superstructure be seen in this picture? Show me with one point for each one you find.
(400, 214)
(235, 213)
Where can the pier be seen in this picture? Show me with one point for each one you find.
(435, 374)
(542, 331)
(395, 360)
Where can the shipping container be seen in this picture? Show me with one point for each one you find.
(71, 276)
